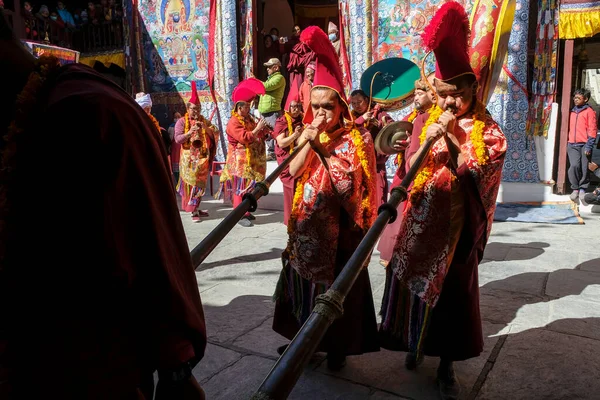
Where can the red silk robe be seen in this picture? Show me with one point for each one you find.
(331, 221)
(442, 274)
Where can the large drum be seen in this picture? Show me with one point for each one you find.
(391, 82)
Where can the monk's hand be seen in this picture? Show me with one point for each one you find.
(435, 131)
(401, 145)
(310, 133)
(448, 120)
(320, 121)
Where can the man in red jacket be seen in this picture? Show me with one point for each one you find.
(582, 134)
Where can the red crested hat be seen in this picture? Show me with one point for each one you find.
(327, 67)
(293, 95)
(194, 99)
(447, 35)
(247, 89)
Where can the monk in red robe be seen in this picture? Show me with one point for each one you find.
(373, 121)
(288, 129)
(112, 296)
(334, 205)
(424, 97)
(431, 299)
(246, 162)
(198, 139)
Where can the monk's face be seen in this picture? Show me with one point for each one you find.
(457, 97)
(243, 109)
(295, 109)
(423, 100)
(326, 102)
(193, 110)
(359, 104)
(310, 74)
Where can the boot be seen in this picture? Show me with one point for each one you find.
(447, 381)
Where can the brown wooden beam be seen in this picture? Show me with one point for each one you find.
(565, 107)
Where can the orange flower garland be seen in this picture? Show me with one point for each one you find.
(427, 171)
(155, 122)
(290, 125)
(476, 138)
(413, 115)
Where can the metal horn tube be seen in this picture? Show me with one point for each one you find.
(210, 242)
(329, 306)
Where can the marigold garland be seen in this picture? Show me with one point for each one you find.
(477, 134)
(359, 143)
(476, 138)
(155, 122)
(248, 152)
(290, 125)
(413, 115)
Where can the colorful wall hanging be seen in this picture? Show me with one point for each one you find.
(579, 19)
(509, 103)
(543, 87)
(245, 41)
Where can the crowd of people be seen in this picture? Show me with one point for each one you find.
(57, 24)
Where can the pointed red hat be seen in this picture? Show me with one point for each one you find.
(247, 89)
(293, 95)
(327, 67)
(447, 35)
(194, 99)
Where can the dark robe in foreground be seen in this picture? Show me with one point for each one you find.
(99, 281)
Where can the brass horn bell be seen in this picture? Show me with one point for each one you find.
(399, 130)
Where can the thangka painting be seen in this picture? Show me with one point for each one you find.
(175, 43)
(399, 26)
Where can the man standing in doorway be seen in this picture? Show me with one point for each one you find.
(582, 134)
(270, 103)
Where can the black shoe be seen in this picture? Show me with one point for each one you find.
(245, 222)
(335, 362)
(448, 383)
(281, 349)
(411, 361)
(251, 217)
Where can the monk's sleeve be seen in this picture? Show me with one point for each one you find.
(488, 176)
(280, 127)
(180, 131)
(145, 244)
(236, 130)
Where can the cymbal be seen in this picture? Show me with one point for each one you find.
(399, 130)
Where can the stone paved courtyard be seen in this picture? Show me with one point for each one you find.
(540, 303)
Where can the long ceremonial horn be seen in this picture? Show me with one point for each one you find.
(249, 203)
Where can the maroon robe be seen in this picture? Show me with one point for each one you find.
(390, 234)
(111, 294)
(281, 128)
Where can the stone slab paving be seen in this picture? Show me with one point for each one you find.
(540, 304)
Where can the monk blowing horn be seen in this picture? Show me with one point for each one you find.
(329, 306)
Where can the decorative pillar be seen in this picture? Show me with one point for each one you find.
(564, 116)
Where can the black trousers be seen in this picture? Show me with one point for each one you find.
(578, 166)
